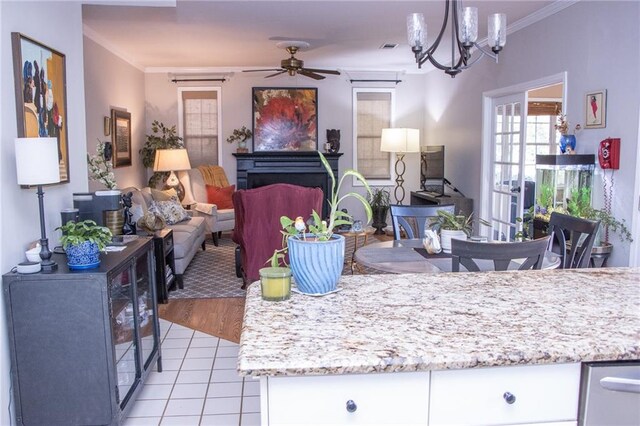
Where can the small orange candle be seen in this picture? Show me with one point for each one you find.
(275, 283)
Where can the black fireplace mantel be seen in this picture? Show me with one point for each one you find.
(303, 168)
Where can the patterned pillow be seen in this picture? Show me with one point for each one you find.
(171, 210)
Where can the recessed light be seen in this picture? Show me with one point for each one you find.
(389, 46)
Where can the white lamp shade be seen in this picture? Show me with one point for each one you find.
(400, 140)
(37, 161)
(169, 160)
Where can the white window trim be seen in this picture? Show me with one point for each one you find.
(218, 91)
(354, 138)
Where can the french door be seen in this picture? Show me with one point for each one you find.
(507, 164)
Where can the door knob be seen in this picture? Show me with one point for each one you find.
(509, 397)
(351, 406)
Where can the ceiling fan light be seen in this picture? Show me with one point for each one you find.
(416, 30)
(468, 29)
(497, 28)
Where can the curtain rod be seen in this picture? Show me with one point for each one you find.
(180, 80)
(376, 81)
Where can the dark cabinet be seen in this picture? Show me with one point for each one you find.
(462, 205)
(82, 342)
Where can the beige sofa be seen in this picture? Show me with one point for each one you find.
(188, 235)
(216, 220)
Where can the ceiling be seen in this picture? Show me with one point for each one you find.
(240, 34)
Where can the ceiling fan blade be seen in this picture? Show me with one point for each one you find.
(308, 73)
(323, 71)
(273, 75)
(268, 69)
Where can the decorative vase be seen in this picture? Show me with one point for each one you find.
(83, 256)
(446, 235)
(242, 147)
(567, 141)
(275, 283)
(379, 219)
(316, 265)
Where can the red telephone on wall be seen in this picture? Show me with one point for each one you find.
(609, 153)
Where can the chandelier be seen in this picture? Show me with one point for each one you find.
(464, 33)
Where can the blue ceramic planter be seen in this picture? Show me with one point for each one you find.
(316, 265)
(83, 256)
(567, 141)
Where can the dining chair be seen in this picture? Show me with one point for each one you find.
(581, 231)
(413, 219)
(502, 254)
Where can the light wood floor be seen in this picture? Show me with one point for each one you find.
(218, 317)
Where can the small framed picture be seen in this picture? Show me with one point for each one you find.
(596, 109)
(121, 137)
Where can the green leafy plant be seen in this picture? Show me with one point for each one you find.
(101, 170)
(76, 233)
(239, 135)
(322, 230)
(452, 222)
(163, 137)
(580, 205)
(380, 198)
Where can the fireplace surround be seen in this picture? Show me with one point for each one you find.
(256, 169)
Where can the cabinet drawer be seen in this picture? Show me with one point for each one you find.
(387, 398)
(543, 393)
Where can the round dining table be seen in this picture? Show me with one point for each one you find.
(409, 256)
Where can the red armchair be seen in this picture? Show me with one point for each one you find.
(257, 228)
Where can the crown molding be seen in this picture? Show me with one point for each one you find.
(91, 34)
(540, 14)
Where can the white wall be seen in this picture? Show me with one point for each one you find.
(591, 41)
(111, 82)
(334, 112)
(59, 26)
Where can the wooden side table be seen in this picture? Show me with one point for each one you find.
(357, 237)
(165, 263)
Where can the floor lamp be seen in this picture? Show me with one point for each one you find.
(37, 164)
(400, 141)
(172, 160)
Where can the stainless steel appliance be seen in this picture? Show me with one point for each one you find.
(610, 394)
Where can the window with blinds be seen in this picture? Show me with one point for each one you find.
(200, 124)
(373, 111)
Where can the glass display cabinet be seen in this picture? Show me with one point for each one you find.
(83, 342)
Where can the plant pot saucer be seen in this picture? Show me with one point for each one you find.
(83, 266)
(295, 290)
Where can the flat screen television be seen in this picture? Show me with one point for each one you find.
(432, 169)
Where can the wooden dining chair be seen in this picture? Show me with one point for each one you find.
(582, 235)
(502, 254)
(412, 219)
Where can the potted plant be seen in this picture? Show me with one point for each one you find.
(83, 241)
(380, 203)
(162, 138)
(453, 226)
(101, 169)
(567, 141)
(240, 135)
(316, 254)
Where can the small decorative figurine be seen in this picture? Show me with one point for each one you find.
(333, 138)
(129, 227)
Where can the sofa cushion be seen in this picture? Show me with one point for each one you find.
(183, 242)
(221, 197)
(194, 224)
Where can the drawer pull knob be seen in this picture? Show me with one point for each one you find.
(509, 397)
(351, 406)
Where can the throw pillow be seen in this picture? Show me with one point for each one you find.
(151, 222)
(163, 195)
(221, 197)
(170, 210)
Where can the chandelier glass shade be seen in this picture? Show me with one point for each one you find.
(463, 23)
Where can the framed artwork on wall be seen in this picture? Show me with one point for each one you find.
(285, 119)
(41, 94)
(596, 109)
(121, 137)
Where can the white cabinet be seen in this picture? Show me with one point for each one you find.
(359, 399)
(505, 395)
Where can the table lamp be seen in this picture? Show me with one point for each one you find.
(172, 160)
(400, 141)
(37, 164)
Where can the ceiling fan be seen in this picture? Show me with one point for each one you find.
(294, 65)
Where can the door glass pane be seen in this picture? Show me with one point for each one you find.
(124, 336)
(146, 326)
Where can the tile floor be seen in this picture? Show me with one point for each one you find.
(199, 384)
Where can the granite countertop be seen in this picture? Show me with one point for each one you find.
(419, 322)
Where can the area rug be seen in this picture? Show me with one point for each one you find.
(212, 273)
